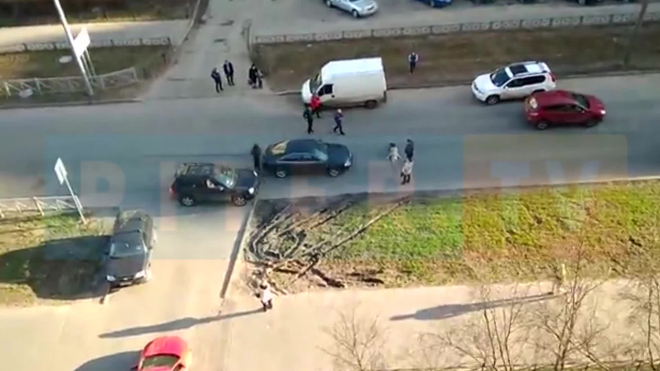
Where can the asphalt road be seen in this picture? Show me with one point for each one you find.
(125, 155)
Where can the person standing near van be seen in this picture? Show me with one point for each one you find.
(338, 117)
(410, 149)
(315, 104)
(413, 58)
(215, 75)
(307, 114)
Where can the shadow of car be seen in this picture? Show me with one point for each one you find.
(112, 362)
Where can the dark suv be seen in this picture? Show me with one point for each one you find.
(207, 182)
(129, 257)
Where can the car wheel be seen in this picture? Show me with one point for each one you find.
(187, 200)
(355, 14)
(371, 104)
(328, 3)
(591, 123)
(334, 172)
(239, 200)
(281, 173)
(492, 99)
(542, 125)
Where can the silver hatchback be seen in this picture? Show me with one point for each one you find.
(357, 8)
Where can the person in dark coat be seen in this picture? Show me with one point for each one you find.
(307, 114)
(228, 67)
(215, 75)
(410, 149)
(413, 58)
(256, 157)
(253, 73)
(338, 117)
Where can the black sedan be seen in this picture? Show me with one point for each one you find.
(307, 155)
(132, 242)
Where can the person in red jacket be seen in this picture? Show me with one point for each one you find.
(315, 105)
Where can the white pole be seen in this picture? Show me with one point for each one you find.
(76, 201)
(69, 38)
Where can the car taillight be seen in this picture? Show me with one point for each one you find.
(554, 79)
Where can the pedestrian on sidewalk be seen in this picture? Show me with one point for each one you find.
(393, 154)
(315, 105)
(338, 117)
(266, 297)
(256, 157)
(215, 75)
(406, 171)
(410, 149)
(252, 76)
(307, 114)
(413, 58)
(228, 67)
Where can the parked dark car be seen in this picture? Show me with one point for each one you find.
(436, 3)
(129, 256)
(207, 182)
(307, 155)
(561, 107)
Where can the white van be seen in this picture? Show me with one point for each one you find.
(350, 82)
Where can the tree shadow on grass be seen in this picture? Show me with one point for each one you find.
(64, 269)
(178, 324)
(455, 310)
(112, 362)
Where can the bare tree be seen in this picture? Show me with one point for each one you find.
(357, 342)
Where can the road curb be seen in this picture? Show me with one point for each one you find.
(468, 82)
(69, 104)
(237, 252)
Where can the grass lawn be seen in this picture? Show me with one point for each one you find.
(457, 58)
(53, 257)
(46, 63)
(496, 236)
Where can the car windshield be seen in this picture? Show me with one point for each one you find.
(581, 99)
(500, 77)
(161, 360)
(315, 83)
(126, 244)
(321, 152)
(226, 176)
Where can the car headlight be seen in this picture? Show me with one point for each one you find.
(110, 278)
(139, 274)
(347, 163)
(602, 112)
(255, 173)
(251, 190)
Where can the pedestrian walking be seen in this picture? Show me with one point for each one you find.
(307, 114)
(410, 149)
(228, 67)
(260, 79)
(413, 58)
(406, 171)
(256, 157)
(338, 117)
(252, 76)
(315, 104)
(559, 280)
(215, 75)
(393, 154)
(266, 297)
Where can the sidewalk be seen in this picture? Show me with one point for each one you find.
(294, 335)
(98, 31)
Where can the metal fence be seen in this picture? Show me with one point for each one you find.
(71, 84)
(41, 205)
(513, 24)
(19, 48)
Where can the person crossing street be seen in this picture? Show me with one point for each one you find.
(339, 116)
(315, 104)
(307, 115)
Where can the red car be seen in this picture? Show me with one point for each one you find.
(560, 107)
(166, 353)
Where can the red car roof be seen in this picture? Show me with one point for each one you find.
(553, 97)
(173, 345)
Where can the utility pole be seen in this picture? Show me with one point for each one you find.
(69, 39)
(635, 33)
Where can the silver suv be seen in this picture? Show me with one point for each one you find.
(514, 81)
(357, 8)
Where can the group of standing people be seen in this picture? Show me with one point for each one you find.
(255, 77)
(393, 156)
(314, 109)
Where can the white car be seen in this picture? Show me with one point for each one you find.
(357, 8)
(514, 81)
